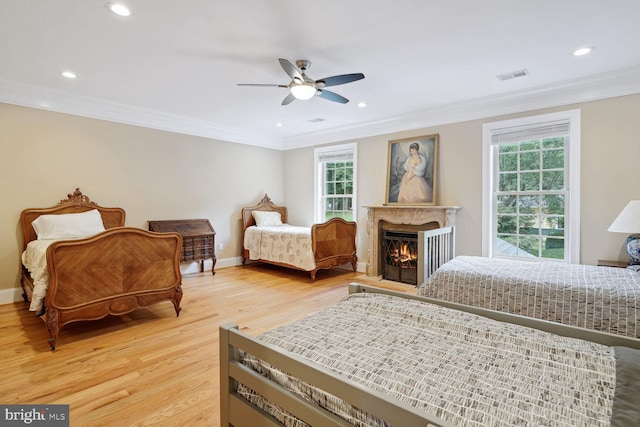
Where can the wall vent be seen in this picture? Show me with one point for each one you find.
(317, 120)
(513, 74)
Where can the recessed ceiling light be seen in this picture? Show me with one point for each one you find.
(69, 74)
(279, 125)
(119, 9)
(583, 51)
(362, 104)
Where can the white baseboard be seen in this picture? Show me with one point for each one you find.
(11, 295)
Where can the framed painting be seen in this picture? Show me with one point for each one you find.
(412, 171)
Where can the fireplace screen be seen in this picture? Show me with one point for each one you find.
(400, 256)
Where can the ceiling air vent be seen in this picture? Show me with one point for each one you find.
(513, 74)
(317, 120)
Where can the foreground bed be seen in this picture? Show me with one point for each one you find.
(267, 237)
(381, 358)
(601, 298)
(68, 278)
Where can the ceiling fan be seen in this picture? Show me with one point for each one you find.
(302, 87)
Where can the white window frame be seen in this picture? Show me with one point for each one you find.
(572, 180)
(318, 180)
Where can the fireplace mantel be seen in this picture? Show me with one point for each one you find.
(445, 216)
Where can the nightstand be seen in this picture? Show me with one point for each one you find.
(607, 263)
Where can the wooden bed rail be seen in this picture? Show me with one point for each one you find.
(236, 411)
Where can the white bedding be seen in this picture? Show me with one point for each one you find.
(34, 258)
(285, 244)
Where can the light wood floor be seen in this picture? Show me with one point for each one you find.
(151, 368)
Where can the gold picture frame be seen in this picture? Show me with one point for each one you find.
(412, 174)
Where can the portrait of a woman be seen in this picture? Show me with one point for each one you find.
(412, 170)
(414, 188)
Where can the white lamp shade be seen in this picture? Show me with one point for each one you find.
(303, 91)
(628, 221)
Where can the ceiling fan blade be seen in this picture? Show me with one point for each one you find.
(331, 96)
(290, 69)
(340, 80)
(261, 85)
(289, 99)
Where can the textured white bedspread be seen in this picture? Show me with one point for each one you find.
(466, 369)
(285, 244)
(601, 298)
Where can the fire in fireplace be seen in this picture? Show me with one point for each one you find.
(400, 255)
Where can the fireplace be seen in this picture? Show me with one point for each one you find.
(405, 219)
(400, 256)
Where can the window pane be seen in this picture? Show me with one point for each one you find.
(530, 161)
(507, 224)
(507, 204)
(528, 204)
(553, 204)
(530, 181)
(554, 142)
(530, 145)
(553, 248)
(331, 188)
(530, 245)
(553, 159)
(340, 175)
(507, 148)
(339, 188)
(509, 162)
(508, 181)
(553, 180)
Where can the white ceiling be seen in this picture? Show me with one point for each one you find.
(174, 65)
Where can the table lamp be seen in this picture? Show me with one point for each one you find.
(628, 221)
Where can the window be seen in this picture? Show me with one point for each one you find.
(531, 187)
(335, 186)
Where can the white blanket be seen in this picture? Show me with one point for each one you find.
(34, 258)
(285, 244)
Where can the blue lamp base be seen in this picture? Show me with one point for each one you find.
(633, 249)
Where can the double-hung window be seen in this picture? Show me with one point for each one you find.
(531, 187)
(335, 182)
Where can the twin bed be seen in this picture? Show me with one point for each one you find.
(386, 358)
(484, 342)
(268, 238)
(602, 298)
(81, 263)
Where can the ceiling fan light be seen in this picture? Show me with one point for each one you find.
(303, 91)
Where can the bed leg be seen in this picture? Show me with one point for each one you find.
(177, 298)
(52, 326)
(354, 264)
(313, 275)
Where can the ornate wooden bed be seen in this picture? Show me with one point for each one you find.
(333, 243)
(111, 273)
(374, 359)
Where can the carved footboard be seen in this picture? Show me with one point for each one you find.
(114, 272)
(334, 243)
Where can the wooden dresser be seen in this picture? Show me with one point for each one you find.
(198, 238)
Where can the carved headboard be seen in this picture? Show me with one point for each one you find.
(264, 205)
(75, 202)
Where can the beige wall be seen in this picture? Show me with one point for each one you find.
(609, 175)
(152, 174)
(163, 175)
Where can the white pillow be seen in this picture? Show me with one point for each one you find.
(68, 226)
(266, 218)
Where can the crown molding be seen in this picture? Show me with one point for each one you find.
(62, 102)
(606, 85)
